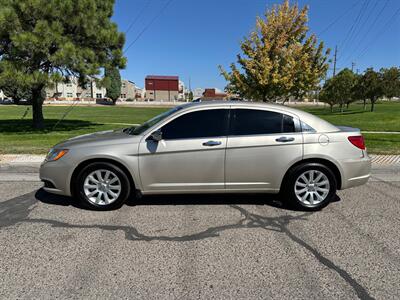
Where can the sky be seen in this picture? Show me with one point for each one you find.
(190, 38)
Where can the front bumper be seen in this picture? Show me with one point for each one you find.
(55, 174)
(355, 172)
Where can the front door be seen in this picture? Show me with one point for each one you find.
(190, 156)
(261, 146)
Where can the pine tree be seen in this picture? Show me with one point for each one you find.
(113, 83)
(42, 39)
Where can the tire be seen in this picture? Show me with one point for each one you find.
(310, 193)
(102, 186)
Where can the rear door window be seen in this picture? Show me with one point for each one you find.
(256, 122)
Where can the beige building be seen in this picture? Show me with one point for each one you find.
(159, 95)
(128, 90)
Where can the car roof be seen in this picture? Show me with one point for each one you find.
(315, 122)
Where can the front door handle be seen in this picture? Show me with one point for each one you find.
(212, 143)
(285, 139)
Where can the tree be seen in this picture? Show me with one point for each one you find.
(391, 82)
(190, 96)
(278, 59)
(373, 86)
(359, 90)
(42, 39)
(15, 89)
(113, 83)
(328, 93)
(345, 81)
(339, 89)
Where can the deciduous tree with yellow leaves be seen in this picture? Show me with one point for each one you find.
(279, 58)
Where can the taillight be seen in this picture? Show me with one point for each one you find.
(357, 141)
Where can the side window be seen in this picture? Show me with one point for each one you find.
(252, 121)
(288, 124)
(198, 124)
(306, 128)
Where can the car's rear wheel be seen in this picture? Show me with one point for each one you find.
(311, 186)
(102, 186)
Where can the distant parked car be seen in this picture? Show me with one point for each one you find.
(7, 101)
(212, 147)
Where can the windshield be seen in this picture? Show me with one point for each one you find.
(150, 123)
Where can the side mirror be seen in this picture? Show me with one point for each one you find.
(156, 136)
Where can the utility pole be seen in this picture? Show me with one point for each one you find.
(190, 88)
(353, 64)
(334, 62)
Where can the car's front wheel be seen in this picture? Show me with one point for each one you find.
(311, 186)
(102, 186)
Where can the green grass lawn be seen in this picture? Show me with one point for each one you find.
(16, 135)
(386, 116)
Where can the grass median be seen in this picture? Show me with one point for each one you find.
(17, 136)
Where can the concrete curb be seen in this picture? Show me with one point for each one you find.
(21, 158)
(385, 159)
(382, 132)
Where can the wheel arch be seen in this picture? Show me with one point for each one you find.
(329, 164)
(85, 163)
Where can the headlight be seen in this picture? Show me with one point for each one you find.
(56, 154)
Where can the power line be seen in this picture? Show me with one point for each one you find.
(137, 16)
(362, 26)
(379, 34)
(338, 18)
(355, 30)
(148, 25)
(354, 25)
(334, 62)
(366, 20)
(370, 27)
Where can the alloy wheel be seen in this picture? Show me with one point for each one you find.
(312, 187)
(102, 187)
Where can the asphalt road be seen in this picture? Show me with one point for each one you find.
(189, 247)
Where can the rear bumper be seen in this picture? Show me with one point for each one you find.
(355, 172)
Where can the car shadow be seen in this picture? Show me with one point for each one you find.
(272, 200)
(278, 224)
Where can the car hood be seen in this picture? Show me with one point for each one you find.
(97, 138)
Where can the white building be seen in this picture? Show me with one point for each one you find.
(183, 91)
(198, 93)
(63, 90)
(72, 91)
(140, 93)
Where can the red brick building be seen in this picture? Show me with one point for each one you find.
(162, 88)
(212, 94)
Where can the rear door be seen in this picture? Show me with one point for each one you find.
(262, 144)
(190, 156)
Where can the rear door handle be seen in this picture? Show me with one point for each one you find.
(212, 143)
(285, 139)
